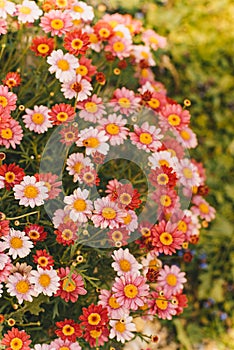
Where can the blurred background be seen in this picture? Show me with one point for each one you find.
(198, 65)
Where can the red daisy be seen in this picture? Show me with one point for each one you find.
(35, 232)
(96, 337)
(69, 134)
(94, 317)
(43, 259)
(163, 176)
(4, 227)
(12, 174)
(128, 197)
(76, 42)
(62, 113)
(68, 329)
(12, 79)
(103, 30)
(86, 69)
(181, 301)
(71, 285)
(167, 238)
(16, 340)
(42, 46)
(66, 233)
(118, 237)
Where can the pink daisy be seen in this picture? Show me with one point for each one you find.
(12, 135)
(50, 181)
(61, 216)
(130, 290)
(79, 10)
(66, 234)
(7, 99)
(122, 328)
(69, 134)
(130, 221)
(171, 279)
(125, 262)
(119, 47)
(37, 119)
(167, 238)
(188, 138)
(77, 87)
(174, 117)
(92, 109)
(3, 26)
(188, 173)
(118, 237)
(18, 285)
(45, 281)
(75, 163)
(15, 339)
(114, 127)
(108, 301)
(78, 204)
(28, 11)
(59, 344)
(71, 285)
(89, 177)
(143, 53)
(7, 8)
(146, 137)
(86, 69)
(167, 200)
(107, 214)
(161, 305)
(124, 100)
(63, 65)
(202, 208)
(56, 22)
(18, 243)
(61, 113)
(93, 140)
(30, 192)
(151, 38)
(174, 147)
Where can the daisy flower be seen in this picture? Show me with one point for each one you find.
(89, 177)
(3, 30)
(202, 208)
(107, 300)
(146, 137)
(124, 100)
(86, 69)
(30, 192)
(5, 263)
(50, 181)
(94, 317)
(12, 175)
(142, 52)
(77, 87)
(43, 259)
(56, 22)
(28, 11)
(122, 328)
(12, 135)
(151, 262)
(69, 134)
(71, 285)
(61, 113)
(19, 286)
(76, 42)
(59, 344)
(12, 79)
(188, 138)
(163, 176)
(168, 201)
(37, 119)
(119, 47)
(130, 221)
(93, 140)
(161, 305)
(97, 336)
(79, 10)
(78, 204)
(92, 109)
(63, 65)
(4, 227)
(188, 173)
(35, 232)
(75, 163)
(15, 339)
(61, 216)
(7, 8)
(45, 281)
(151, 38)
(7, 99)
(103, 30)
(107, 214)
(130, 290)
(114, 129)
(171, 279)
(41, 347)
(42, 46)
(127, 197)
(66, 234)
(18, 243)
(161, 158)
(173, 116)
(118, 237)
(155, 101)
(68, 329)
(125, 262)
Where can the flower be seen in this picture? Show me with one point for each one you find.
(161, 305)
(59, 344)
(77, 87)
(28, 11)
(56, 22)
(153, 39)
(173, 116)
(45, 281)
(107, 214)
(122, 329)
(12, 174)
(92, 108)
(30, 192)
(35, 232)
(66, 233)
(125, 262)
(43, 259)
(163, 176)
(68, 329)
(69, 135)
(124, 100)
(75, 163)
(71, 285)
(130, 290)
(63, 65)
(128, 197)
(18, 243)
(171, 279)
(76, 42)
(11, 135)
(78, 204)
(12, 79)
(7, 7)
(119, 47)
(61, 113)
(19, 286)
(107, 300)
(37, 119)
(202, 208)
(93, 317)
(93, 140)
(42, 46)
(16, 340)
(81, 11)
(114, 129)
(188, 173)
(53, 186)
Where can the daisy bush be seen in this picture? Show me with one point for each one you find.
(101, 201)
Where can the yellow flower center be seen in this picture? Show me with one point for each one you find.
(77, 9)
(125, 198)
(77, 44)
(204, 208)
(80, 204)
(162, 179)
(104, 32)
(67, 234)
(171, 279)
(113, 303)
(124, 102)
(42, 261)
(68, 329)
(57, 24)
(63, 65)
(174, 119)
(144, 54)
(10, 177)
(82, 70)
(166, 238)
(43, 48)
(69, 285)
(108, 213)
(145, 231)
(3, 101)
(130, 291)
(163, 162)
(118, 46)
(182, 226)
(188, 173)
(38, 118)
(6, 133)
(91, 107)
(154, 264)
(165, 200)
(16, 344)
(125, 265)
(91, 142)
(127, 219)
(95, 334)
(25, 10)
(117, 236)
(62, 116)
(34, 234)
(77, 167)
(61, 3)
(44, 280)
(154, 103)
(31, 191)
(2, 3)
(185, 135)
(22, 287)
(153, 40)
(146, 138)
(94, 319)
(16, 243)
(93, 38)
(120, 327)
(64, 348)
(112, 129)
(162, 303)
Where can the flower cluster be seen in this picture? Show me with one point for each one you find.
(68, 114)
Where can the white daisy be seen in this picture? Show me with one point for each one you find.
(63, 65)
(18, 243)
(161, 158)
(6, 8)
(45, 281)
(94, 140)
(78, 204)
(122, 329)
(77, 87)
(81, 11)
(28, 11)
(125, 262)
